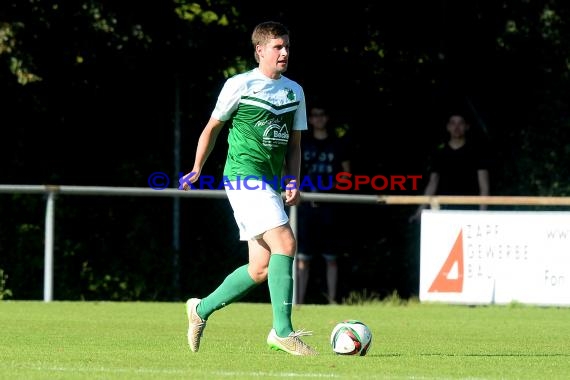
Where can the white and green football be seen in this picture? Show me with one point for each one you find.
(351, 337)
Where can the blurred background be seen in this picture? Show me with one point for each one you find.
(105, 93)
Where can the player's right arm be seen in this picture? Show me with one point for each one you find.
(206, 144)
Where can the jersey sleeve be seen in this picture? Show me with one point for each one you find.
(300, 120)
(228, 100)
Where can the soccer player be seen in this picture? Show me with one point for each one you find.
(267, 113)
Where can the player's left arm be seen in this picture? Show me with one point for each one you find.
(484, 184)
(344, 151)
(293, 169)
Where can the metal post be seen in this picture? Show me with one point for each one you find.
(176, 200)
(48, 247)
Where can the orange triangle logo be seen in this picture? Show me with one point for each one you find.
(447, 280)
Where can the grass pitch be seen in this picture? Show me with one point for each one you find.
(113, 340)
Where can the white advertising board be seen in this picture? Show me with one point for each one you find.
(495, 257)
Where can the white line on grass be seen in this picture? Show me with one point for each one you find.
(176, 371)
(282, 374)
(105, 370)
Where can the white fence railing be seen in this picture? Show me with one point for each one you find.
(52, 191)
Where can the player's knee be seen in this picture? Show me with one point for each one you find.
(290, 247)
(258, 274)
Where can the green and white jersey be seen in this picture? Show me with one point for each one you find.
(263, 113)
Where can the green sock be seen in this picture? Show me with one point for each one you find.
(236, 285)
(280, 281)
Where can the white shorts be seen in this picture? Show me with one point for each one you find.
(257, 208)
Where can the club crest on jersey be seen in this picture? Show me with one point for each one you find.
(275, 135)
(290, 94)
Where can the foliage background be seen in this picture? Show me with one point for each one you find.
(91, 90)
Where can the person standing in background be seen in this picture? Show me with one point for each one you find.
(324, 155)
(458, 167)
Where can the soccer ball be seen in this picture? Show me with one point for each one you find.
(351, 337)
